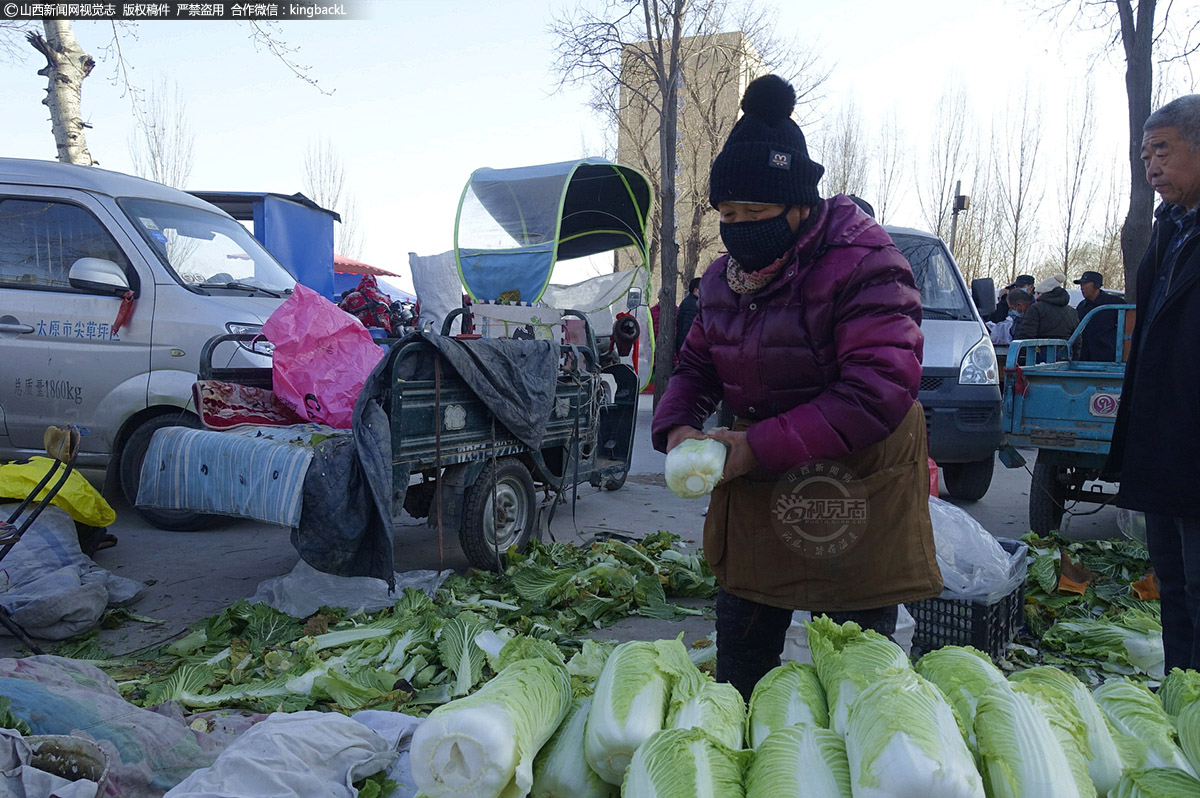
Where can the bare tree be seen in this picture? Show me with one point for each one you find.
(1107, 258)
(889, 168)
(1078, 188)
(161, 145)
(67, 65)
(1016, 164)
(844, 153)
(1139, 35)
(946, 160)
(650, 64)
(324, 182)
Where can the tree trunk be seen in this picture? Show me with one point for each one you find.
(669, 76)
(1138, 39)
(664, 358)
(66, 67)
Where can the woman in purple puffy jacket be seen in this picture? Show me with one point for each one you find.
(809, 329)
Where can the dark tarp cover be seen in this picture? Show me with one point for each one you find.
(350, 504)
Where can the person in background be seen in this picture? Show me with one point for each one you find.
(1024, 282)
(809, 329)
(686, 313)
(1017, 302)
(1098, 341)
(1051, 314)
(1153, 450)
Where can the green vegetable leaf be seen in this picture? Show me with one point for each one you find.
(459, 653)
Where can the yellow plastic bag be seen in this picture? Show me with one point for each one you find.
(77, 497)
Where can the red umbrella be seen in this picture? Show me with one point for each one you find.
(350, 266)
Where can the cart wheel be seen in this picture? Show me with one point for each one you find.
(489, 528)
(615, 481)
(131, 473)
(1047, 494)
(969, 481)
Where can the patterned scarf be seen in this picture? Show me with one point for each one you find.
(746, 282)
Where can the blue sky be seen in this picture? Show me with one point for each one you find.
(425, 92)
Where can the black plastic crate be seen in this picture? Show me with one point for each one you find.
(953, 622)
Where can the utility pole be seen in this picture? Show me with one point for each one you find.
(961, 203)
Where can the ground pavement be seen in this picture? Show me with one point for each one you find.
(188, 575)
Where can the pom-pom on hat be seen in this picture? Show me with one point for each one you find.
(765, 158)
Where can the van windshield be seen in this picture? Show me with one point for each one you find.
(205, 250)
(942, 295)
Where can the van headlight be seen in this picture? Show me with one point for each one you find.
(260, 347)
(978, 366)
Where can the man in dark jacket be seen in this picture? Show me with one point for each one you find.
(686, 313)
(1158, 421)
(1024, 282)
(1099, 338)
(1051, 315)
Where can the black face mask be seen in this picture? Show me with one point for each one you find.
(756, 245)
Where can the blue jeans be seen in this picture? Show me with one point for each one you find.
(1174, 545)
(750, 636)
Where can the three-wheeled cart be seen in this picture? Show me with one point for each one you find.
(1065, 408)
(473, 430)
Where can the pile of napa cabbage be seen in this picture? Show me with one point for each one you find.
(860, 722)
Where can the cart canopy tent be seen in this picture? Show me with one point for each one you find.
(514, 225)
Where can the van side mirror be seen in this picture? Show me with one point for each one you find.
(98, 275)
(633, 299)
(983, 291)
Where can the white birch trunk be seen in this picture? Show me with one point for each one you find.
(66, 67)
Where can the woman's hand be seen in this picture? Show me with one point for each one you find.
(740, 460)
(681, 433)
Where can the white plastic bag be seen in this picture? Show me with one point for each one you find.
(298, 753)
(304, 590)
(1132, 524)
(795, 642)
(52, 588)
(975, 567)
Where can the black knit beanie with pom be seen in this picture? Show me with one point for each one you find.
(765, 158)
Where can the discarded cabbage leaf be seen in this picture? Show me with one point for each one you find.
(1134, 640)
(694, 467)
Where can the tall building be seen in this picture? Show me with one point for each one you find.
(716, 70)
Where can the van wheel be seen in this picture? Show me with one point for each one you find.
(969, 481)
(495, 519)
(131, 473)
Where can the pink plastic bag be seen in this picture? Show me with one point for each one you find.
(322, 357)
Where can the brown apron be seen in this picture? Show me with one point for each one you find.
(835, 536)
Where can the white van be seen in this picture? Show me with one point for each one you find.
(960, 376)
(109, 287)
